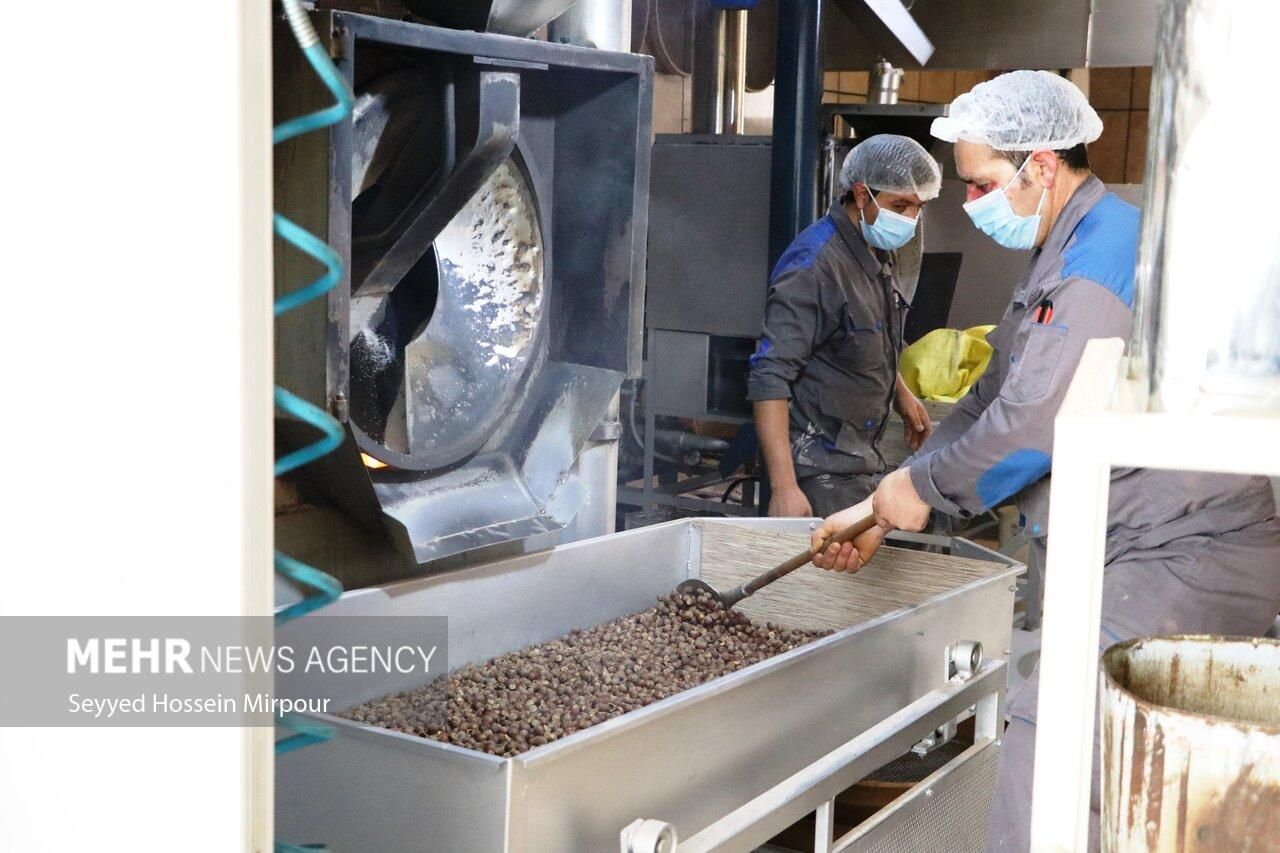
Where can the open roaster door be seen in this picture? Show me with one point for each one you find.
(489, 195)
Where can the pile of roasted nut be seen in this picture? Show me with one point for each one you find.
(540, 694)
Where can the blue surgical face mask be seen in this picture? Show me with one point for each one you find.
(890, 231)
(996, 218)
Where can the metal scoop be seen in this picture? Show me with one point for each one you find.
(729, 598)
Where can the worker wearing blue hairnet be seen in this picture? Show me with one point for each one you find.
(825, 372)
(1187, 552)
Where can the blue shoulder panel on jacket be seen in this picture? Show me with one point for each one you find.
(1106, 247)
(1011, 475)
(804, 249)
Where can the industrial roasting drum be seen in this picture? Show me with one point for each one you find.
(438, 351)
(490, 197)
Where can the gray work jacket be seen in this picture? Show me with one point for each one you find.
(998, 440)
(832, 334)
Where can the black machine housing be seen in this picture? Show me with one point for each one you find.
(489, 201)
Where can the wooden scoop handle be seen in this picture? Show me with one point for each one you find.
(866, 520)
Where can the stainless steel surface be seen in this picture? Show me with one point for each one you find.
(378, 790)
(508, 17)
(1003, 34)
(1122, 32)
(699, 585)
(412, 207)
(706, 110)
(968, 34)
(464, 369)
(497, 290)
(947, 811)
(708, 233)
(888, 26)
(791, 799)
(1205, 349)
(735, 72)
(500, 496)
(834, 150)
(598, 464)
(884, 83)
(602, 24)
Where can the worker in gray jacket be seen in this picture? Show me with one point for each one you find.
(826, 369)
(1186, 552)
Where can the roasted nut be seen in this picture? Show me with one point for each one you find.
(540, 694)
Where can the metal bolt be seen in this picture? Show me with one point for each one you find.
(1008, 652)
(928, 792)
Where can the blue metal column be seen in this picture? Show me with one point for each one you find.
(797, 94)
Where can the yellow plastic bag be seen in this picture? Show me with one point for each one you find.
(944, 364)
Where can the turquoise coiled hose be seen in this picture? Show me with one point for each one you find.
(325, 589)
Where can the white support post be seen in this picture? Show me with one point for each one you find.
(825, 827)
(1069, 644)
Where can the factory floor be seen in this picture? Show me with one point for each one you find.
(1026, 651)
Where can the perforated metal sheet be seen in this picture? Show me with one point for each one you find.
(953, 820)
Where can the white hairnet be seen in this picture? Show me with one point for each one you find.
(892, 163)
(1021, 111)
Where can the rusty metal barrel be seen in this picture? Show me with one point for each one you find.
(1191, 745)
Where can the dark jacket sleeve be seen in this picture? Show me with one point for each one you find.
(1009, 444)
(802, 311)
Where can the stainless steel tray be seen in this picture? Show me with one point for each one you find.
(690, 758)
